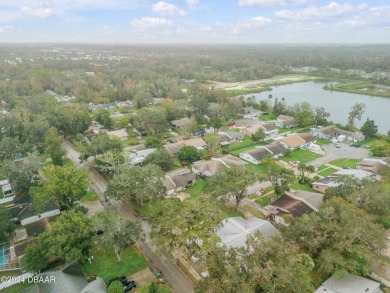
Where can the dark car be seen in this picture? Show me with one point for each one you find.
(355, 145)
(129, 286)
(122, 279)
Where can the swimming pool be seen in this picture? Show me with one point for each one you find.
(4, 256)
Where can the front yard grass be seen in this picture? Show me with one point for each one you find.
(238, 151)
(105, 263)
(197, 189)
(260, 168)
(343, 162)
(303, 156)
(322, 167)
(327, 172)
(321, 141)
(253, 211)
(298, 186)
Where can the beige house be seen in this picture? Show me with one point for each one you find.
(178, 180)
(374, 164)
(283, 121)
(121, 134)
(208, 168)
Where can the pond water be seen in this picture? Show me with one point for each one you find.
(338, 104)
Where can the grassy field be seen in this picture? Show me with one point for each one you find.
(253, 211)
(197, 189)
(351, 163)
(321, 141)
(235, 214)
(105, 263)
(303, 156)
(322, 167)
(327, 172)
(260, 168)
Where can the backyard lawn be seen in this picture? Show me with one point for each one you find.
(238, 151)
(327, 172)
(260, 168)
(321, 141)
(197, 189)
(105, 263)
(90, 196)
(303, 156)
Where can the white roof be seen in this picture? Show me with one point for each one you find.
(4, 182)
(349, 284)
(139, 156)
(359, 174)
(119, 133)
(235, 230)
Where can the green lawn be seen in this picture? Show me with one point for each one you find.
(247, 139)
(321, 141)
(17, 287)
(161, 289)
(253, 211)
(369, 141)
(343, 162)
(322, 167)
(260, 168)
(90, 196)
(238, 151)
(235, 214)
(303, 156)
(264, 200)
(297, 186)
(268, 117)
(105, 263)
(327, 172)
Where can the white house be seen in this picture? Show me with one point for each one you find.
(258, 154)
(283, 121)
(137, 157)
(121, 134)
(330, 132)
(178, 180)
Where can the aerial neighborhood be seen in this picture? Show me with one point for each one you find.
(141, 182)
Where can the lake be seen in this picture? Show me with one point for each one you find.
(338, 104)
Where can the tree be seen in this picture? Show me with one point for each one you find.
(7, 226)
(303, 168)
(369, 128)
(35, 257)
(213, 144)
(115, 287)
(216, 123)
(321, 116)
(152, 122)
(304, 118)
(100, 145)
(259, 135)
(119, 232)
(53, 147)
(103, 117)
(356, 113)
(137, 184)
(280, 177)
(70, 238)
(109, 162)
(71, 119)
(67, 185)
(190, 128)
(160, 158)
(231, 182)
(189, 154)
(153, 288)
(192, 229)
(380, 149)
(262, 266)
(153, 142)
(339, 237)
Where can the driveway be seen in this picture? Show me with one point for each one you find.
(345, 151)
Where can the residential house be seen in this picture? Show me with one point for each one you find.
(374, 164)
(227, 137)
(259, 153)
(95, 129)
(283, 121)
(289, 205)
(234, 231)
(158, 100)
(125, 104)
(68, 278)
(331, 180)
(298, 140)
(108, 107)
(250, 126)
(174, 148)
(269, 128)
(137, 157)
(120, 133)
(208, 168)
(197, 142)
(180, 123)
(330, 132)
(6, 187)
(23, 210)
(178, 180)
(349, 283)
(313, 198)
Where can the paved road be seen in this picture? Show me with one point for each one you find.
(175, 277)
(345, 151)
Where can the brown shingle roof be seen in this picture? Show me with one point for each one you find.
(293, 141)
(174, 148)
(307, 137)
(259, 153)
(247, 122)
(292, 206)
(195, 142)
(276, 149)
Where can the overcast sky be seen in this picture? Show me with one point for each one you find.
(195, 21)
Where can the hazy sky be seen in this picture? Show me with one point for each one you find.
(195, 21)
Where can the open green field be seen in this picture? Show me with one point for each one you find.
(303, 156)
(327, 172)
(298, 186)
(105, 263)
(260, 168)
(351, 163)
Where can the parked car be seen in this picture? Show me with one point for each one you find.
(129, 286)
(346, 167)
(355, 145)
(337, 145)
(122, 279)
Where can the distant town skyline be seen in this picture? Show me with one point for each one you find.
(195, 21)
